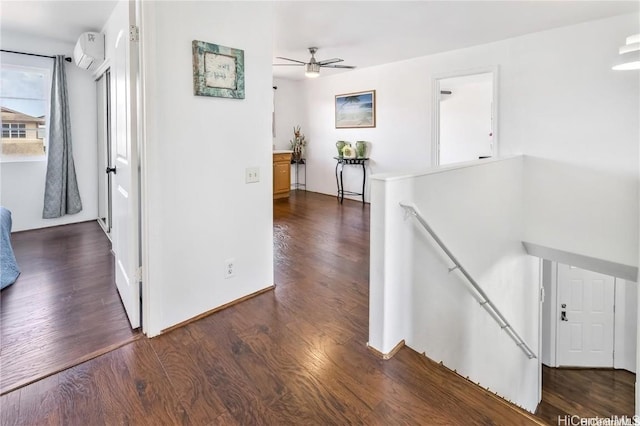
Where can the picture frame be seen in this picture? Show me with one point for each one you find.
(217, 70)
(356, 110)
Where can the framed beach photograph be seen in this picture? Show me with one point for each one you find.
(356, 110)
(217, 70)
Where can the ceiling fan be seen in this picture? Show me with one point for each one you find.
(312, 68)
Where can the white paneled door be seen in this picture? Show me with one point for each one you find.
(125, 196)
(585, 318)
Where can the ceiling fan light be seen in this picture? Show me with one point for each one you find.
(631, 47)
(628, 61)
(629, 55)
(312, 70)
(633, 39)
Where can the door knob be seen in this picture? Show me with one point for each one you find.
(111, 170)
(563, 316)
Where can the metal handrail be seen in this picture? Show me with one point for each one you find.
(483, 299)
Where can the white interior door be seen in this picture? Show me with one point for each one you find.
(585, 320)
(125, 197)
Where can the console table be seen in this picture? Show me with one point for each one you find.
(340, 163)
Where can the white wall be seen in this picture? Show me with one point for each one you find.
(583, 133)
(476, 209)
(465, 118)
(559, 101)
(22, 183)
(399, 140)
(199, 210)
(290, 111)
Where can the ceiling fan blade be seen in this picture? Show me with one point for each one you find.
(338, 66)
(292, 60)
(287, 65)
(330, 61)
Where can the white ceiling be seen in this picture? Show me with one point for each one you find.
(363, 33)
(367, 33)
(58, 20)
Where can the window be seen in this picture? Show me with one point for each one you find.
(24, 99)
(14, 130)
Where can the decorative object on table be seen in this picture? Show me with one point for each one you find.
(340, 145)
(361, 149)
(217, 70)
(355, 110)
(297, 144)
(348, 152)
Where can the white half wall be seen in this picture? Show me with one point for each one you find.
(587, 211)
(22, 183)
(476, 210)
(199, 210)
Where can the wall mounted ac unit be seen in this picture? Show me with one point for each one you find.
(89, 50)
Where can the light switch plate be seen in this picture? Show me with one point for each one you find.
(252, 175)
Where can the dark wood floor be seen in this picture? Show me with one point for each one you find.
(64, 308)
(586, 393)
(295, 355)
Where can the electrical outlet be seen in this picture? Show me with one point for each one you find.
(229, 268)
(252, 175)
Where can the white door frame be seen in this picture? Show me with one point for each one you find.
(145, 21)
(552, 292)
(104, 75)
(540, 302)
(435, 95)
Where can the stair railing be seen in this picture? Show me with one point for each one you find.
(480, 296)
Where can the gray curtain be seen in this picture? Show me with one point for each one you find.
(61, 195)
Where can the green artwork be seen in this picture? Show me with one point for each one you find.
(217, 70)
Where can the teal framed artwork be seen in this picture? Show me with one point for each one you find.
(217, 70)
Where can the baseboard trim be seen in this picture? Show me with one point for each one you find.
(219, 308)
(388, 355)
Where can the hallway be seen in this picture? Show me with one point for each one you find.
(294, 355)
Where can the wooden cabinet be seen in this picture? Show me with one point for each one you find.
(281, 175)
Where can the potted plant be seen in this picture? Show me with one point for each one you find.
(297, 144)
